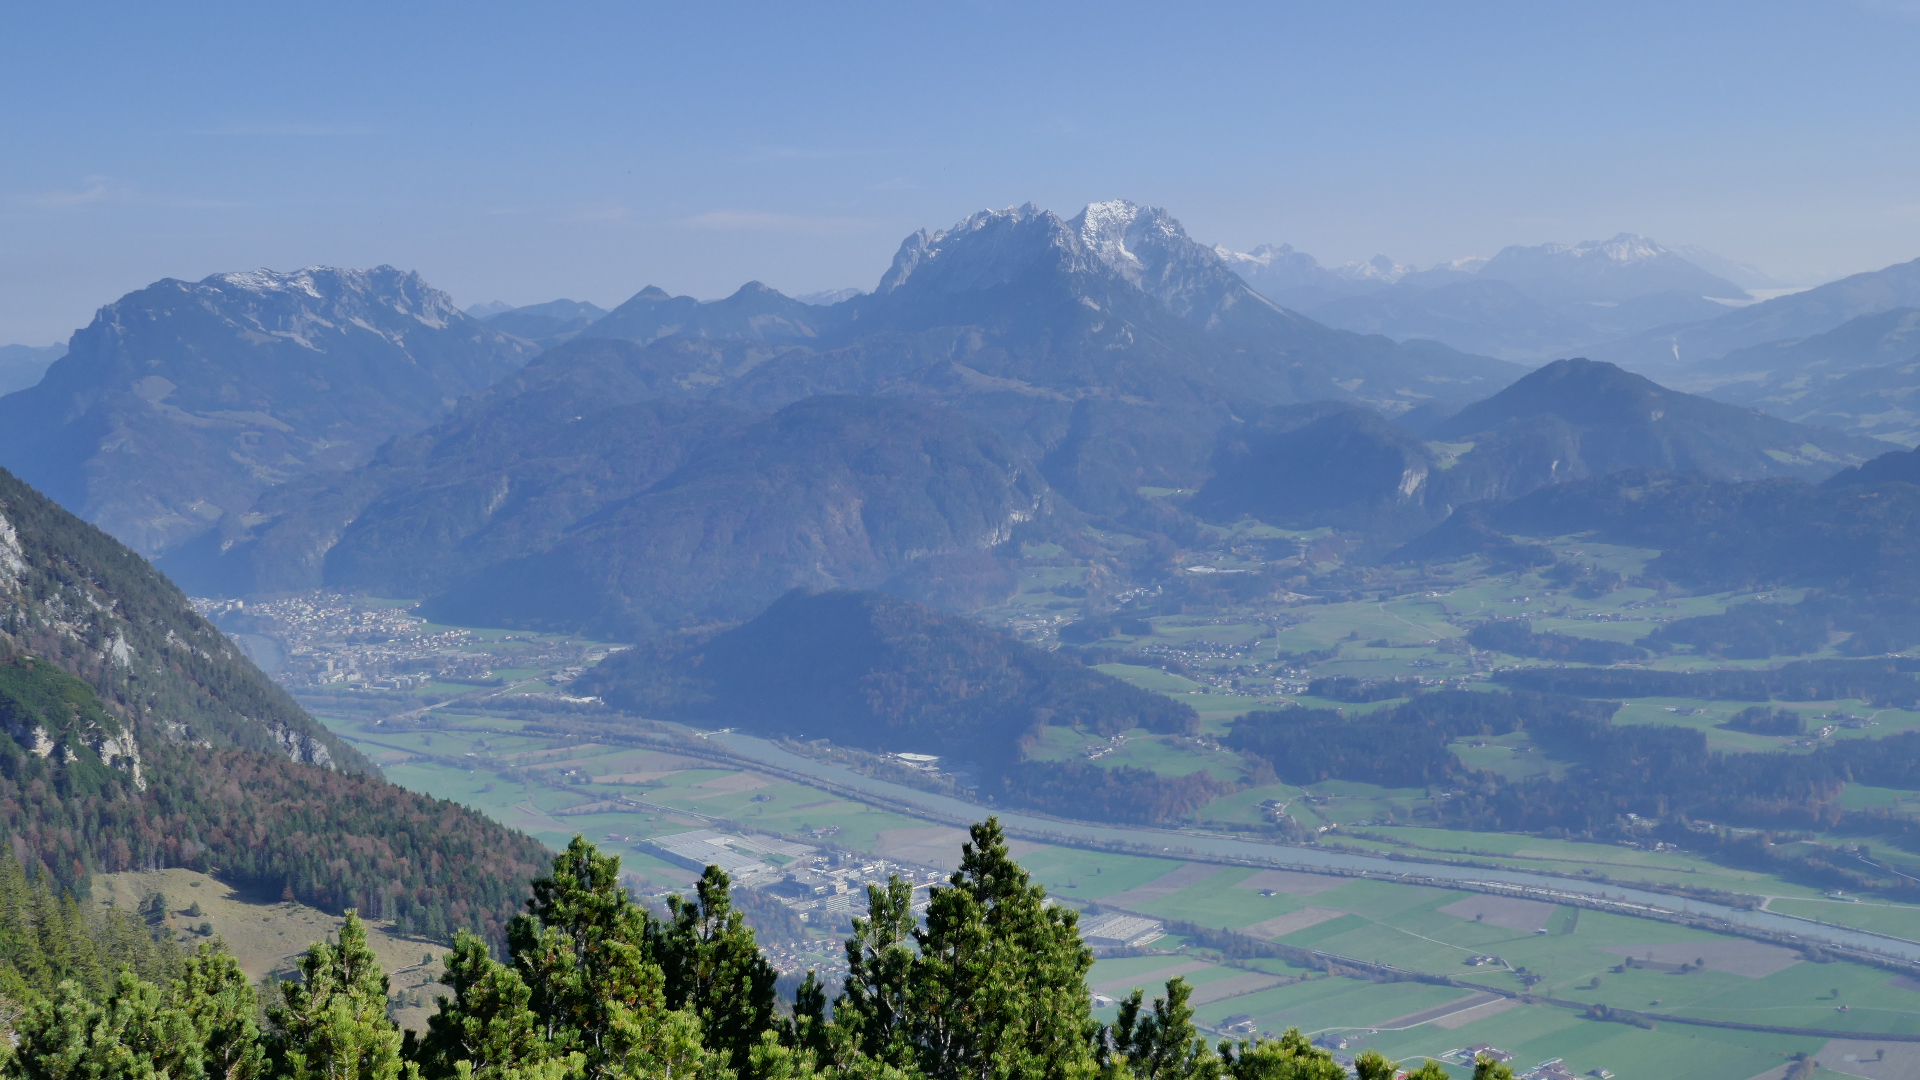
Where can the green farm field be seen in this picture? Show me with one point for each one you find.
(1424, 929)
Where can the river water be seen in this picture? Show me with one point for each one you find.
(1175, 844)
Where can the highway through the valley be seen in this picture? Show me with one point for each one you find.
(1169, 843)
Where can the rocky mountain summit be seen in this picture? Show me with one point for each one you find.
(180, 403)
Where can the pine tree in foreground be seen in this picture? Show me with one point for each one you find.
(991, 986)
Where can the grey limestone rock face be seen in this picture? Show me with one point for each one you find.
(180, 403)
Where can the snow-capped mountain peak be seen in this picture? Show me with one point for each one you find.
(320, 292)
(997, 239)
(1626, 266)
(1624, 248)
(1144, 248)
(1116, 231)
(266, 281)
(1379, 268)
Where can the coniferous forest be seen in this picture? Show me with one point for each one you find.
(990, 984)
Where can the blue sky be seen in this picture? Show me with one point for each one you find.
(524, 152)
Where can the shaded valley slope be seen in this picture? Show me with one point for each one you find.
(133, 734)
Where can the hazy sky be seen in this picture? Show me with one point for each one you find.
(529, 151)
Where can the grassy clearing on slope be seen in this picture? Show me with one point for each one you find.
(266, 935)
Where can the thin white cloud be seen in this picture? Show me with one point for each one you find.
(607, 214)
(803, 153)
(1891, 7)
(106, 190)
(92, 189)
(795, 224)
(284, 130)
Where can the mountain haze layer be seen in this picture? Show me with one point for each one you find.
(546, 325)
(1525, 303)
(23, 365)
(1697, 350)
(1861, 377)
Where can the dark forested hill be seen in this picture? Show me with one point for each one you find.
(1575, 418)
(182, 402)
(1572, 419)
(883, 673)
(1324, 463)
(133, 734)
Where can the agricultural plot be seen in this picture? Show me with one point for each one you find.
(1588, 956)
(1574, 858)
(1536, 1033)
(1236, 660)
(553, 791)
(1168, 755)
(1514, 756)
(1425, 929)
(1874, 916)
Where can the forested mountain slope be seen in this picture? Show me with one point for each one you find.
(1696, 348)
(1860, 377)
(136, 735)
(1851, 541)
(574, 499)
(1575, 418)
(1572, 419)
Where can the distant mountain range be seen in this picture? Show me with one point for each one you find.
(1605, 271)
(182, 402)
(753, 313)
(1006, 370)
(1525, 303)
(22, 365)
(546, 325)
(675, 462)
(829, 297)
(1840, 355)
(1697, 349)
